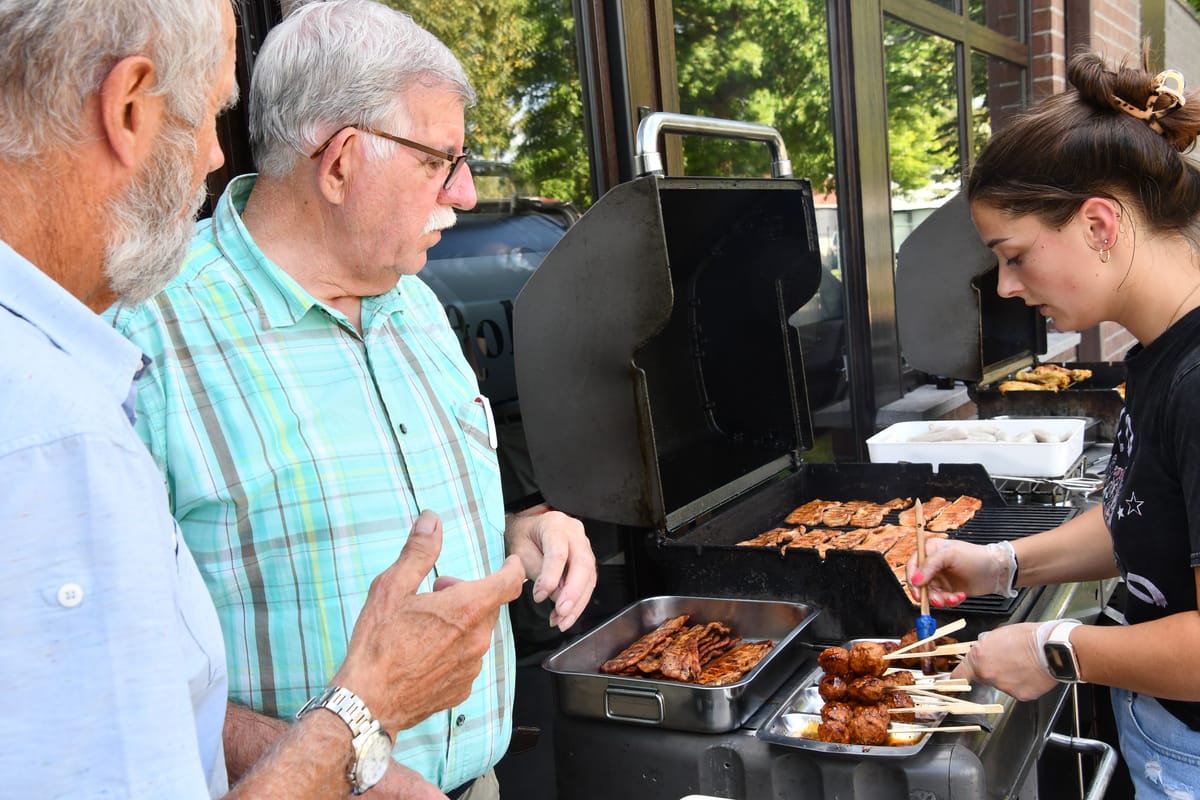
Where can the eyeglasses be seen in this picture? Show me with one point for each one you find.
(456, 161)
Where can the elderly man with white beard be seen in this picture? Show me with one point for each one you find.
(308, 398)
(110, 650)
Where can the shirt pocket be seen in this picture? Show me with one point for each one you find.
(475, 420)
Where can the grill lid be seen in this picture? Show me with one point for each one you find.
(949, 318)
(657, 372)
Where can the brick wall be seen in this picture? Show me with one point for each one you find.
(1117, 28)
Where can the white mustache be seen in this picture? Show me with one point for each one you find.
(442, 217)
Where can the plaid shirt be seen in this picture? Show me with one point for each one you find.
(297, 454)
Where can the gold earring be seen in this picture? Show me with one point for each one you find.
(1105, 253)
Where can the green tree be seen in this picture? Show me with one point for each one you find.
(764, 61)
(520, 57)
(922, 110)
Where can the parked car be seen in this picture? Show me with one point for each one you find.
(477, 270)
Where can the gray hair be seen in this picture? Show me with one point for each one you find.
(54, 54)
(339, 63)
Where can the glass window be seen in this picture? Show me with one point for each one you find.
(521, 58)
(924, 149)
(1003, 16)
(769, 63)
(997, 93)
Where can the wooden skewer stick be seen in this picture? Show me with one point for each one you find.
(956, 649)
(933, 694)
(945, 630)
(957, 707)
(947, 729)
(926, 681)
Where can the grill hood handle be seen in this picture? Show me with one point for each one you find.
(648, 159)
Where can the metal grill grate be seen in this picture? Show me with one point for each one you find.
(1000, 524)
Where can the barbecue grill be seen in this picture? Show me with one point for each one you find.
(952, 323)
(663, 392)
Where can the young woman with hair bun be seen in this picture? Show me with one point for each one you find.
(1093, 211)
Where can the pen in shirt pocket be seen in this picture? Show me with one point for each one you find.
(491, 420)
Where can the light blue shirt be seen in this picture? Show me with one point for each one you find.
(111, 660)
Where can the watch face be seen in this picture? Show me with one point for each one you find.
(374, 756)
(1061, 661)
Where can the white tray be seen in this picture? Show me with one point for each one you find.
(1034, 460)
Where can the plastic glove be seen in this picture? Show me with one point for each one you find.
(1012, 659)
(955, 570)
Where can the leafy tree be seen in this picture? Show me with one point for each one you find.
(764, 61)
(520, 57)
(922, 111)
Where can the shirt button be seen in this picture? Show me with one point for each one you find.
(403, 428)
(462, 718)
(70, 595)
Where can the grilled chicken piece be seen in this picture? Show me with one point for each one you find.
(810, 513)
(840, 541)
(881, 540)
(898, 503)
(776, 537)
(956, 514)
(811, 539)
(626, 661)
(730, 667)
(1024, 386)
(1046, 374)
(837, 516)
(932, 507)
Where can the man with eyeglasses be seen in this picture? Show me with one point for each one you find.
(308, 398)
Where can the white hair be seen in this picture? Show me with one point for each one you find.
(333, 64)
(54, 54)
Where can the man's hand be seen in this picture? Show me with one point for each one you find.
(555, 551)
(414, 654)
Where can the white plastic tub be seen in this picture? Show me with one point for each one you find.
(1026, 459)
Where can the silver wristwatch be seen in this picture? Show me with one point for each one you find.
(372, 745)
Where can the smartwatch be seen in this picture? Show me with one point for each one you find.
(372, 745)
(1060, 655)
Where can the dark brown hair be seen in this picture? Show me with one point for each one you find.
(1080, 143)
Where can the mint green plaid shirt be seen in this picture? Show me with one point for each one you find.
(297, 454)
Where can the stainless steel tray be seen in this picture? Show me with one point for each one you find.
(795, 724)
(582, 690)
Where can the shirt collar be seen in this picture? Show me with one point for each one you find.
(281, 300)
(70, 326)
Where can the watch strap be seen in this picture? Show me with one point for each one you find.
(1060, 638)
(346, 704)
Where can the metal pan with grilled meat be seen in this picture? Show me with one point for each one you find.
(582, 689)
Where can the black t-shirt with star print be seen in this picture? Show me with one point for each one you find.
(1152, 491)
